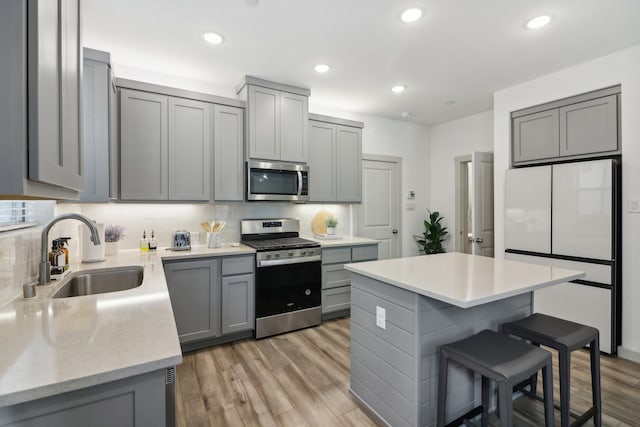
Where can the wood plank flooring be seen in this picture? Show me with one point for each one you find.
(302, 379)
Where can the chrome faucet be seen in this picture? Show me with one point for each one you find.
(45, 266)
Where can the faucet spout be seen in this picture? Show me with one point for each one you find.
(45, 266)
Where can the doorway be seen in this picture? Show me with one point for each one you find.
(474, 204)
(378, 217)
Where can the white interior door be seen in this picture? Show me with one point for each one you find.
(482, 210)
(378, 215)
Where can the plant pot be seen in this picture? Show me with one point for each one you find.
(331, 231)
(111, 248)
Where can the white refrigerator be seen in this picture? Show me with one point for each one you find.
(567, 215)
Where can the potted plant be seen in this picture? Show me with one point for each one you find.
(112, 235)
(434, 234)
(331, 224)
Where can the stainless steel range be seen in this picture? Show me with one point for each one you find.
(288, 276)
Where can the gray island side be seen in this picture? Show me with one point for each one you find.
(403, 309)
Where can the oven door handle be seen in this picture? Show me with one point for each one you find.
(285, 261)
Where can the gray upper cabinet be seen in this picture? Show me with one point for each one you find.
(579, 127)
(41, 98)
(277, 117)
(322, 161)
(335, 160)
(190, 137)
(144, 146)
(589, 127)
(349, 164)
(536, 136)
(98, 135)
(194, 289)
(229, 149)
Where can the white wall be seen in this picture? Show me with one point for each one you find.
(449, 140)
(619, 68)
(409, 141)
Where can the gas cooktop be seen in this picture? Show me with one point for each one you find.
(270, 244)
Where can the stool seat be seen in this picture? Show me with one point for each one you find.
(499, 358)
(549, 329)
(564, 336)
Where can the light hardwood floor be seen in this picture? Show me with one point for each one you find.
(302, 379)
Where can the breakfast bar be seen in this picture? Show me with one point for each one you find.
(403, 309)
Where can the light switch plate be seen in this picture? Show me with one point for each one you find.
(381, 317)
(634, 204)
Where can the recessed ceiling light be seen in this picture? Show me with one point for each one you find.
(411, 15)
(538, 22)
(322, 68)
(213, 38)
(398, 89)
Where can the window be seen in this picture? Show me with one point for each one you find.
(15, 214)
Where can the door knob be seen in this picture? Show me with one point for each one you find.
(475, 239)
(395, 231)
(479, 240)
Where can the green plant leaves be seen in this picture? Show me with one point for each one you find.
(434, 234)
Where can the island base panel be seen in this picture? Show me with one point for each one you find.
(394, 371)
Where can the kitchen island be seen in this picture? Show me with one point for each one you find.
(403, 309)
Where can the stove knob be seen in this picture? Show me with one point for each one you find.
(277, 254)
(303, 253)
(290, 253)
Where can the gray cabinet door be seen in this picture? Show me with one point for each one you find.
(194, 289)
(335, 276)
(143, 146)
(349, 164)
(229, 158)
(95, 130)
(237, 303)
(322, 161)
(264, 123)
(190, 149)
(336, 299)
(589, 127)
(294, 112)
(536, 136)
(55, 153)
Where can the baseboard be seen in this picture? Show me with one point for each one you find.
(377, 419)
(625, 353)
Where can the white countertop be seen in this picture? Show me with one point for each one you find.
(343, 241)
(50, 346)
(463, 280)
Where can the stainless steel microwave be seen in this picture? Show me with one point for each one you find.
(277, 181)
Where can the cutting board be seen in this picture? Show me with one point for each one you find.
(317, 224)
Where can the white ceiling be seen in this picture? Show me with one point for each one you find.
(460, 51)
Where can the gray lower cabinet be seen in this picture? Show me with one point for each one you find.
(98, 128)
(211, 297)
(582, 126)
(41, 97)
(229, 153)
(194, 288)
(336, 281)
(335, 160)
(142, 400)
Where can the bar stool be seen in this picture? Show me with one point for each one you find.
(565, 337)
(499, 358)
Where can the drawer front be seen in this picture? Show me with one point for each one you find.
(336, 299)
(598, 273)
(335, 276)
(364, 253)
(237, 265)
(336, 255)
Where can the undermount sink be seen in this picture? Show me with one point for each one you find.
(101, 281)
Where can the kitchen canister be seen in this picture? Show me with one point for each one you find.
(213, 240)
(89, 251)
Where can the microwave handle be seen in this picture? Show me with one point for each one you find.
(299, 183)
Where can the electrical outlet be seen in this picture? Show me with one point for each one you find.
(634, 204)
(381, 317)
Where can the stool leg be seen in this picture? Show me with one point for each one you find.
(547, 387)
(594, 351)
(564, 371)
(443, 365)
(505, 398)
(486, 384)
